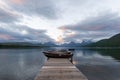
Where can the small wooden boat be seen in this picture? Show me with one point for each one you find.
(58, 54)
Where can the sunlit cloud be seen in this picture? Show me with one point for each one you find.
(60, 39)
(24, 32)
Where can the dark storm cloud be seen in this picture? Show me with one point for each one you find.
(22, 33)
(94, 28)
(7, 17)
(35, 7)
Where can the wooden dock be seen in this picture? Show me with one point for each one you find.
(59, 69)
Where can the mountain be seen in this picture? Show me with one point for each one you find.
(25, 44)
(75, 44)
(71, 44)
(16, 44)
(86, 42)
(114, 41)
(19, 45)
(50, 44)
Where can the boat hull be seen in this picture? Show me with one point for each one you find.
(57, 55)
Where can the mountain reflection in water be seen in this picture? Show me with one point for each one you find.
(99, 64)
(24, 64)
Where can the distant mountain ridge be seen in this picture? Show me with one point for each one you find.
(19, 45)
(114, 41)
(71, 44)
(16, 44)
(76, 44)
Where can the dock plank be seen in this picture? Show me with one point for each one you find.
(59, 69)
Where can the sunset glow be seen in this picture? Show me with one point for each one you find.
(6, 37)
(18, 2)
(59, 39)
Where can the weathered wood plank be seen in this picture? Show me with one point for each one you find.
(59, 69)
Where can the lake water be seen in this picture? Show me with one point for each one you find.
(24, 64)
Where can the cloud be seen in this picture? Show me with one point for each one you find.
(7, 17)
(22, 33)
(80, 19)
(19, 2)
(5, 37)
(59, 39)
(7, 14)
(43, 8)
(102, 22)
(102, 26)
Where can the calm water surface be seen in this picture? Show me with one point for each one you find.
(24, 64)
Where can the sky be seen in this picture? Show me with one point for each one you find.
(58, 21)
